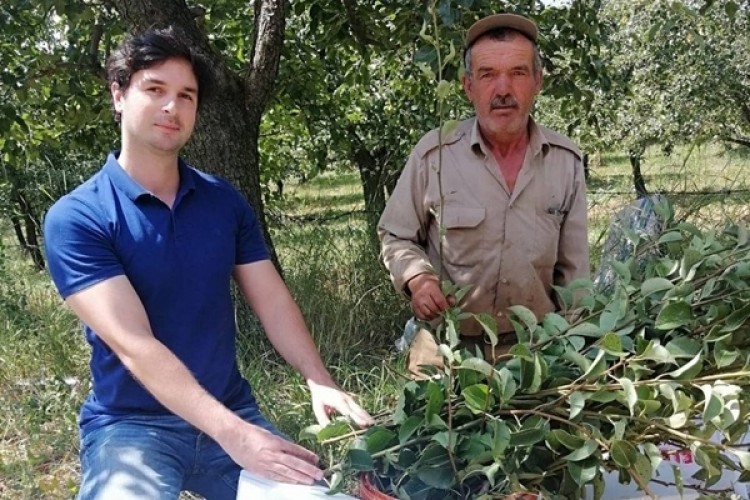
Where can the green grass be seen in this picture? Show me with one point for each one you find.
(332, 268)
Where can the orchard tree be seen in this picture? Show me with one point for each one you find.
(57, 51)
(680, 73)
(362, 78)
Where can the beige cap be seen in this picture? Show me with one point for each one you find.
(511, 21)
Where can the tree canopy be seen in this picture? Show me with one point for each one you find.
(346, 84)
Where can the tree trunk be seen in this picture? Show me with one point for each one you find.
(638, 180)
(225, 141)
(25, 222)
(371, 169)
(586, 172)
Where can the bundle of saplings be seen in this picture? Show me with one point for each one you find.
(657, 357)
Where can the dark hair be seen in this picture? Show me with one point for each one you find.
(152, 47)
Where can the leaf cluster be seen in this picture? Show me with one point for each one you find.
(661, 357)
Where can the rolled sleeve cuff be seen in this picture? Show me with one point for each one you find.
(408, 272)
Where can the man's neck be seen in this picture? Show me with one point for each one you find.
(157, 173)
(508, 146)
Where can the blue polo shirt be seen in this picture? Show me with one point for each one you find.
(180, 263)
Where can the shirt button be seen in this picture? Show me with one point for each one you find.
(504, 281)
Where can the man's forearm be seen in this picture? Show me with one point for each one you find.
(167, 378)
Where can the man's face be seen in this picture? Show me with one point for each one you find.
(159, 106)
(502, 86)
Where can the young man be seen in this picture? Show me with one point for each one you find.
(513, 198)
(144, 253)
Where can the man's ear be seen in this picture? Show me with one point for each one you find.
(466, 82)
(539, 80)
(117, 95)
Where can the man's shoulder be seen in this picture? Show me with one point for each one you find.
(431, 140)
(210, 180)
(556, 139)
(83, 196)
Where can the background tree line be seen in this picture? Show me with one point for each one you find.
(313, 85)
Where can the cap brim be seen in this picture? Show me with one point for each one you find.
(509, 21)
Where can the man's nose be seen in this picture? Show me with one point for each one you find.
(502, 85)
(170, 104)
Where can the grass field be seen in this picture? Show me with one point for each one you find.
(332, 269)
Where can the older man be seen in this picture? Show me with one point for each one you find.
(512, 203)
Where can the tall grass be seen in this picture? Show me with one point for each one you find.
(332, 268)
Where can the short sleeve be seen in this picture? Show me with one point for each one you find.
(251, 246)
(79, 249)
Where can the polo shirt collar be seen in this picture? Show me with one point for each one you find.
(537, 141)
(132, 189)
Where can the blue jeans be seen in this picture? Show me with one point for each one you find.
(156, 457)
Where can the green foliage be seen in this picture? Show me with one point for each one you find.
(661, 358)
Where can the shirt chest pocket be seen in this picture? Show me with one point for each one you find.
(463, 241)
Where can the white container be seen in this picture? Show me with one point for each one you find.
(253, 487)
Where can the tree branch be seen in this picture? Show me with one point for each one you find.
(269, 40)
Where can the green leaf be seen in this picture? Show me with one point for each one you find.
(597, 368)
(683, 347)
(445, 439)
(713, 404)
(737, 319)
(689, 369)
(527, 437)
(731, 9)
(438, 477)
(337, 483)
(725, 357)
(582, 472)
(489, 325)
(708, 460)
(554, 324)
(477, 397)
(522, 351)
(642, 467)
(744, 458)
(435, 400)
(584, 452)
(568, 440)
(360, 460)
(527, 317)
(577, 402)
(379, 438)
(532, 374)
(451, 332)
(335, 429)
(656, 352)
(623, 453)
(586, 330)
(611, 344)
(443, 89)
(655, 285)
(631, 396)
(407, 429)
(477, 365)
(505, 384)
(670, 236)
(674, 315)
(500, 438)
(449, 126)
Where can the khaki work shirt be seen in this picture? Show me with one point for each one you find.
(510, 246)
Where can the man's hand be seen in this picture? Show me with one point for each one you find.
(267, 455)
(327, 399)
(427, 300)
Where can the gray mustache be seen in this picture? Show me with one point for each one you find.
(503, 102)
